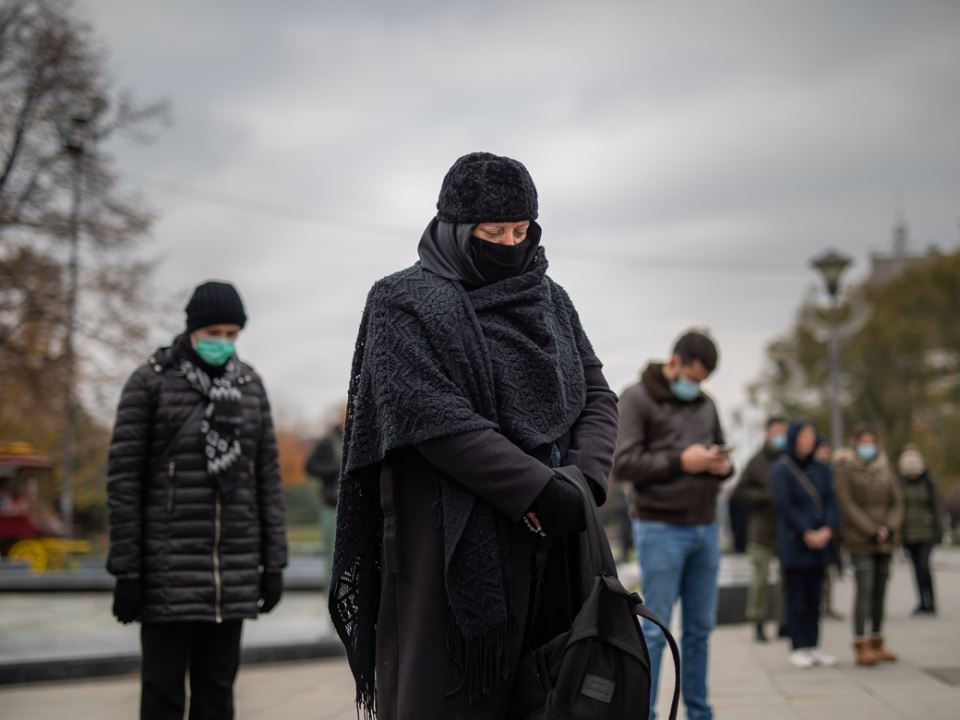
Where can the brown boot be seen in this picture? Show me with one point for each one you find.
(880, 651)
(865, 654)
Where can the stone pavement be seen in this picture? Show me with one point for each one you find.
(748, 681)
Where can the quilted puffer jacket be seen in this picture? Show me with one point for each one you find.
(199, 553)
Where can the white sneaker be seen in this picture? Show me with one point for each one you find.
(801, 659)
(822, 658)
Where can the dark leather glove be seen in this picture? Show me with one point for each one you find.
(127, 599)
(559, 508)
(271, 589)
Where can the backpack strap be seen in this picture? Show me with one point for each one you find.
(603, 564)
(168, 451)
(601, 556)
(643, 612)
(805, 483)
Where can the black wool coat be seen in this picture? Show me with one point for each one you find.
(415, 675)
(198, 552)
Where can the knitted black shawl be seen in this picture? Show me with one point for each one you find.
(434, 359)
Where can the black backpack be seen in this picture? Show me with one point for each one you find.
(599, 668)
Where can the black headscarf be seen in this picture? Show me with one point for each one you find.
(449, 250)
(793, 432)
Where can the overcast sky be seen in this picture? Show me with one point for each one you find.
(690, 157)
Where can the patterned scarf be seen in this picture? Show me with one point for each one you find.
(433, 359)
(221, 421)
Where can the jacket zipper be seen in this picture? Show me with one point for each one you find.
(171, 489)
(216, 557)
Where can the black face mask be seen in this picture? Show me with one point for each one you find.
(499, 262)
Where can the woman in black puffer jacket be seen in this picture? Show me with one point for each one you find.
(197, 529)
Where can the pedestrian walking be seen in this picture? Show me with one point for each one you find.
(922, 523)
(197, 530)
(807, 516)
(871, 508)
(472, 380)
(754, 491)
(672, 452)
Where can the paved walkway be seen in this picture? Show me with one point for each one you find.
(748, 681)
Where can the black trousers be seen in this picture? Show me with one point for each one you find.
(209, 652)
(802, 587)
(920, 556)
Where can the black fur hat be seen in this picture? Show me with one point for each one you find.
(482, 187)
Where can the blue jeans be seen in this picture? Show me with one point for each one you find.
(680, 562)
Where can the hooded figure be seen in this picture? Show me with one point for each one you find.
(807, 517)
(472, 380)
(923, 522)
(196, 514)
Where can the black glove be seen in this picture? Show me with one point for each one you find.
(127, 599)
(559, 508)
(271, 589)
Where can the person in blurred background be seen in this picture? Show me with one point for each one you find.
(922, 522)
(807, 516)
(672, 452)
(834, 571)
(871, 506)
(755, 494)
(196, 515)
(324, 464)
(739, 517)
(473, 380)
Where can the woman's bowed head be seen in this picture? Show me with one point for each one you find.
(485, 229)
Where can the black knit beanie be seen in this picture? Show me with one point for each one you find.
(482, 187)
(215, 303)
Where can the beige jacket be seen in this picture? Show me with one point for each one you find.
(870, 497)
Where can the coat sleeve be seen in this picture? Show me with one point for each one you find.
(790, 514)
(721, 440)
(937, 508)
(632, 461)
(273, 528)
(852, 512)
(594, 435)
(491, 467)
(895, 508)
(831, 509)
(126, 471)
(753, 490)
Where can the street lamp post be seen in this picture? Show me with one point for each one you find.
(76, 135)
(831, 266)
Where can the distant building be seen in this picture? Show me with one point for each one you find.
(885, 268)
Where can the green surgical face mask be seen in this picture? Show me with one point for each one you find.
(214, 351)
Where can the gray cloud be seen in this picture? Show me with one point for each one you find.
(690, 157)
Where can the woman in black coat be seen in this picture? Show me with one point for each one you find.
(807, 518)
(472, 380)
(197, 529)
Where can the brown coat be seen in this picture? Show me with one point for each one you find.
(655, 428)
(870, 497)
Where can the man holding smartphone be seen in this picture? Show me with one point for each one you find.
(672, 456)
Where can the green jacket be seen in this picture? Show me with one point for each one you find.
(870, 498)
(754, 493)
(923, 517)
